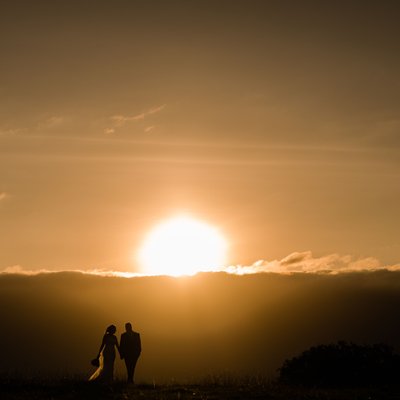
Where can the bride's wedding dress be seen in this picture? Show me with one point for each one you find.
(105, 371)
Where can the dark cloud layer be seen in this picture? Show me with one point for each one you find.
(53, 323)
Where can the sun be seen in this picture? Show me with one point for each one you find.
(182, 245)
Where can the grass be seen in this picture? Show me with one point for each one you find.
(210, 388)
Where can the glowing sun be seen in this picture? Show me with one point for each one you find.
(182, 246)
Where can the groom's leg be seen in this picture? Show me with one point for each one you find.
(130, 368)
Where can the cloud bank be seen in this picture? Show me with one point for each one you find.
(297, 262)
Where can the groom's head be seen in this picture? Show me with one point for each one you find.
(128, 326)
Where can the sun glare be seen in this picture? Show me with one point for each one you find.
(182, 246)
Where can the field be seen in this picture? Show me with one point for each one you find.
(211, 388)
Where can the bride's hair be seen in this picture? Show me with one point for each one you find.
(111, 329)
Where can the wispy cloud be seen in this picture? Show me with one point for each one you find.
(118, 121)
(109, 131)
(3, 195)
(10, 131)
(54, 121)
(149, 128)
(47, 123)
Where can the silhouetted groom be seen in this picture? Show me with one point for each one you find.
(130, 348)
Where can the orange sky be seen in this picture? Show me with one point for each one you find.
(277, 122)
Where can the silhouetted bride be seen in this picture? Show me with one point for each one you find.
(106, 357)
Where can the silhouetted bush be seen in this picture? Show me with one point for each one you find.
(343, 364)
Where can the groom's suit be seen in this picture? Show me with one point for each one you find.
(130, 349)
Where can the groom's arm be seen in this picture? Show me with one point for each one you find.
(139, 344)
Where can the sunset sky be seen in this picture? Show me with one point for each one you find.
(275, 122)
(171, 137)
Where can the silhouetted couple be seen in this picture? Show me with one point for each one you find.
(129, 350)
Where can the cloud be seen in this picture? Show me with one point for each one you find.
(14, 269)
(149, 128)
(109, 131)
(118, 121)
(296, 262)
(40, 124)
(51, 122)
(19, 270)
(10, 132)
(305, 262)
